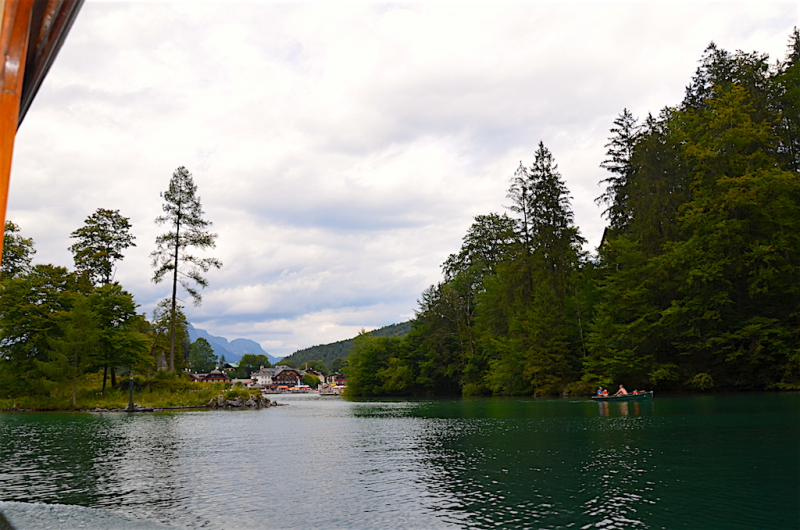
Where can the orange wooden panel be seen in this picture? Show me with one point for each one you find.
(14, 38)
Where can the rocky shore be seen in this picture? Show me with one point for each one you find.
(219, 402)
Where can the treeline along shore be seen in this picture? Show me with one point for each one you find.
(694, 286)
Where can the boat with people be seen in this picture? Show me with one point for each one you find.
(639, 396)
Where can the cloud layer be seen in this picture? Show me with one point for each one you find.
(342, 150)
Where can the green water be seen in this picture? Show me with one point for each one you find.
(711, 462)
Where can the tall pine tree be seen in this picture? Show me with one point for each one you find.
(183, 214)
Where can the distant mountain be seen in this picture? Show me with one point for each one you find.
(339, 350)
(232, 350)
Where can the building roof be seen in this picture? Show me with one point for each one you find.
(277, 370)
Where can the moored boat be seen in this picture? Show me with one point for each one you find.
(641, 396)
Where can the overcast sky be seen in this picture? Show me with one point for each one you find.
(342, 150)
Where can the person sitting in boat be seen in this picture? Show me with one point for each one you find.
(621, 391)
(605, 392)
(635, 392)
(600, 391)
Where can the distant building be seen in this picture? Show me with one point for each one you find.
(318, 375)
(272, 378)
(336, 379)
(216, 376)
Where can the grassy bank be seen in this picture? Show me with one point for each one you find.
(162, 390)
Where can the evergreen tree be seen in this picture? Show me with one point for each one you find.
(183, 213)
(625, 134)
(100, 243)
(18, 252)
(72, 353)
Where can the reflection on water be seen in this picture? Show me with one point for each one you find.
(635, 408)
(483, 463)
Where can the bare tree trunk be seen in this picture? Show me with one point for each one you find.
(174, 298)
(75, 382)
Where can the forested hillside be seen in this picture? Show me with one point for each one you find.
(695, 285)
(327, 353)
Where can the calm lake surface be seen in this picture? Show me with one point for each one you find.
(724, 462)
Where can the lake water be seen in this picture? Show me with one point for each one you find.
(724, 462)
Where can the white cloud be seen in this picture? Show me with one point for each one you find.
(341, 150)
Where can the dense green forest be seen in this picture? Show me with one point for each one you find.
(328, 353)
(694, 286)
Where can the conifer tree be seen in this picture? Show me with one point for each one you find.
(183, 213)
(72, 353)
(625, 134)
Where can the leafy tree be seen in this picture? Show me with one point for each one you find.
(222, 362)
(100, 243)
(183, 213)
(72, 353)
(737, 267)
(370, 367)
(30, 309)
(338, 365)
(787, 85)
(286, 362)
(489, 241)
(201, 356)
(316, 365)
(311, 380)
(121, 341)
(250, 363)
(18, 252)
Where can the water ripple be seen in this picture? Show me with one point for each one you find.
(406, 464)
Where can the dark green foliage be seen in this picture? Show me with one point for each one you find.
(100, 243)
(121, 332)
(695, 285)
(316, 365)
(18, 252)
(375, 367)
(339, 365)
(31, 306)
(74, 351)
(626, 133)
(311, 380)
(286, 362)
(51, 318)
(201, 356)
(700, 288)
(250, 363)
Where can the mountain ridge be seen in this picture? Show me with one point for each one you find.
(233, 350)
(341, 349)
